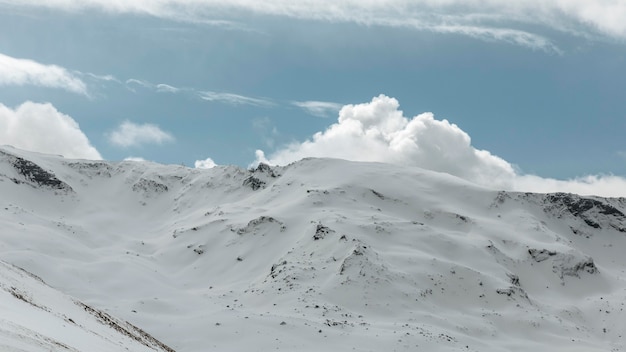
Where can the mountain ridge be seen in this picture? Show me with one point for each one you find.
(374, 256)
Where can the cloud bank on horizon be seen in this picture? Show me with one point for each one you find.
(378, 131)
(491, 20)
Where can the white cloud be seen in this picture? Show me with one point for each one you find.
(378, 131)
(233, 99)
(130, 134)
(207, 163)
(220, 97)
(105, 78)
(22, 72)
(138, 82)
(42, 128)
(599, 185)
(135, 159)
(166, 88)
(319, 108)
(484, 19)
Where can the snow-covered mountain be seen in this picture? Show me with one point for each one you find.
(321, 254)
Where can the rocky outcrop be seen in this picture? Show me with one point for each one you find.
(34, 175)
(594, 212)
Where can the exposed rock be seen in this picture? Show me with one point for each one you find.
(594, 212)
(540, 255)
(565, 264)
(514, 279)
(252, 224)
(264, 168)
(321, 231)
(571, 265)
(34, 173)
(513, 291)
(254, 183)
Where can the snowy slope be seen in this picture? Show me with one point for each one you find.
(36, 317)
(319, 255)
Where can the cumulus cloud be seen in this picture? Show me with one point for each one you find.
(378, 131)
(509, 21)
(129, 134)
(318, 108)
(22, 72)
(207, 163)
(42, 128)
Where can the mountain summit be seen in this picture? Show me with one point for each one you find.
(321, 254)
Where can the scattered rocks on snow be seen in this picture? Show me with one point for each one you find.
(252, 224)
(92, 169)
(571, 265)
(513, 291)
(321, 231)
(127, 329)
(274, 271)
(148, 187)
(565, 264)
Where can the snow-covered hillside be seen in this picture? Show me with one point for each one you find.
(36, 317)
(319, 255)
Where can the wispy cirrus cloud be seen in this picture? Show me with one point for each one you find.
(319, 108)
(512, 21)
(25, 72)
(130, 134)
(166, 88)
(234, 99)
(211, 96)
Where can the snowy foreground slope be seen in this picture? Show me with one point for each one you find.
(35, 317)
(318, 255)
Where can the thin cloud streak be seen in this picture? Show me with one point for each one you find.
(233, 99)
(211, 96)
(166, 88)
(318, 108)
(491, 20)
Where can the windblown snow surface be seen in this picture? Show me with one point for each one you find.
(318, 255)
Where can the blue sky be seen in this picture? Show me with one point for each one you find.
(538, 86)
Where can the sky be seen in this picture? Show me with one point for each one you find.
(526, 95)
